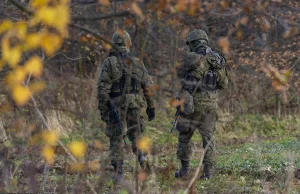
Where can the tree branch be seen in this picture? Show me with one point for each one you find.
(101, 16)
(22, 7)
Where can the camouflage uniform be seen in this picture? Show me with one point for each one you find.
(204, 68)
(122, 85)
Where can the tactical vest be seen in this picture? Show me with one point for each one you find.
(206, 83)
(133, 79)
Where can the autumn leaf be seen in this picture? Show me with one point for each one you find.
(77, 148)
(104, 2)
(11, 55)
(223, 42)
(48, 154)
(98, 145)
(36, 87)
(21, 28)
(16, 76)
(144, 144)
(94, 165)
(136, 9)
(50, 137)
(181, 5)
(33, 40)
(239, 35)
(38, 3)
(51, 43)
(21, 95)
(5, 25)
(173, 102)
(57, 17)
(34, 66)
(142, 176)
(244, 20)
(77, 167)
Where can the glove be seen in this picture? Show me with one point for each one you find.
(105, 116)
(151, 113)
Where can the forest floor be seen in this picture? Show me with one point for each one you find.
(255, 154)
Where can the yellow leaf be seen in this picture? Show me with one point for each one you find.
(51, 43)
(21, 28)
(5, 25)
(11, 55)
(33, 40)
(16, 76)
(38, 3)
(57, 17)
(77, 167)
(34, 66)
(21, 95)
(77, 148)
(136, 9)
(36, 87)
(50, 137)
(48, 154)
(144, 144)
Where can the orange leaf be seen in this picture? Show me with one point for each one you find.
(223, 42)
(104, 2)
(174, 102)
(136, 9)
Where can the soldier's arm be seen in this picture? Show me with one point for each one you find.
(104, 88)
(146, 86)
(222, 79)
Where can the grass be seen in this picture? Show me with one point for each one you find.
(254, 153)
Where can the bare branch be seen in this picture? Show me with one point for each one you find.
(21, 6)
(101, 16)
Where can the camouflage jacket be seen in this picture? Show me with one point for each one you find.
(195, 65)
(127, 74)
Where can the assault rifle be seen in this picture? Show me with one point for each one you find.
(175, 121)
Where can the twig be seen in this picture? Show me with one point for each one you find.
(75, 59)
(198, 169)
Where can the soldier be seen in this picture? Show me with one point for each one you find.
(122, 86)
(202, 72)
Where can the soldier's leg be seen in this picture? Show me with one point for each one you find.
(184, 149)
(135, 128)
(207, 129)
(115, 135)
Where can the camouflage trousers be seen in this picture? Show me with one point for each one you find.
(203, 119)
(135, 126)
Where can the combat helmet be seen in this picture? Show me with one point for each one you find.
(197, 34)
(121, 37)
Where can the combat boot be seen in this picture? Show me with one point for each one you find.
(118, 170)
(208, 172)
(144, 163)
(184, 171)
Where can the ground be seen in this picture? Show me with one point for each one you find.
(256, 154)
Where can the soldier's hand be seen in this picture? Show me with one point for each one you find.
(151, 113)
